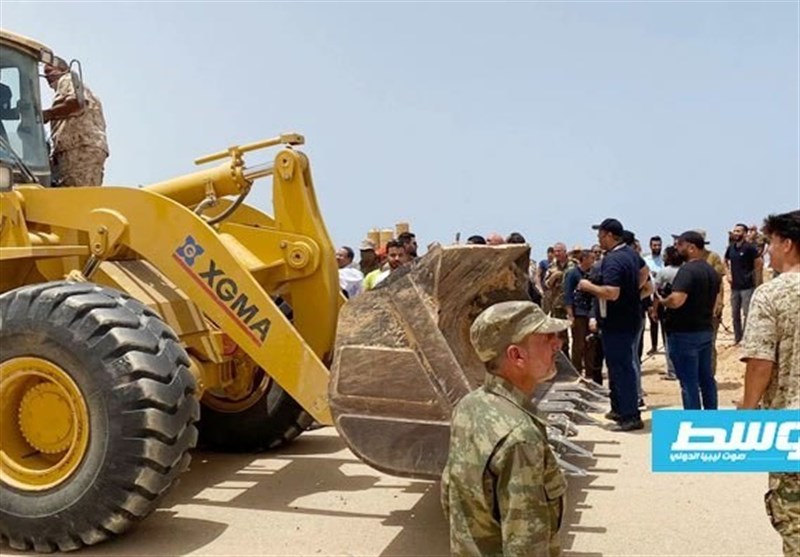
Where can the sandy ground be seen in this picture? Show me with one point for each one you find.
(316, 498)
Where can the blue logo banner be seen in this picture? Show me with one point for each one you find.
(726, 441)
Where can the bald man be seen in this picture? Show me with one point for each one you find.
(495, 239)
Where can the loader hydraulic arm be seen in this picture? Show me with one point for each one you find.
(226, 179)
(229, 270)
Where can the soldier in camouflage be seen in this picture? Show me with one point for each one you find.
(554, 283)
(758, 239)
(772, 353)
(502, 488)
(78, 132)
(714, 259)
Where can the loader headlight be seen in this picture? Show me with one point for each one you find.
(6, 177)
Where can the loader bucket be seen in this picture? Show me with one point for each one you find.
(403, 356)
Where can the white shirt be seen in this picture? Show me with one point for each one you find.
(655, 263)
(350, 280)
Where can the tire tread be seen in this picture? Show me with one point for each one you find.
(153, 387)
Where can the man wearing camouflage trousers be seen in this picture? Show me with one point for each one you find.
(77, 132)
(772, 354)
(502, 488)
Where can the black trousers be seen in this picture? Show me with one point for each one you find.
(594, 358)
(653, 332)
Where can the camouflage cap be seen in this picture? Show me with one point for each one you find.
(507, 323)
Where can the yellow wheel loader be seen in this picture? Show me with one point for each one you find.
(135, 322)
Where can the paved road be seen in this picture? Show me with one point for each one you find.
(316, 498)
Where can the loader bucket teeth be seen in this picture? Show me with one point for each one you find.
(562, 424)
(567, 409)
(580, 390)
(556, 395)
(565, 446)
(403, 356)
(571, 469)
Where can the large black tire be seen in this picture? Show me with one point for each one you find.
(273, 419)
(134, 377)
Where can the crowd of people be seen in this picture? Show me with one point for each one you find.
(611, 293)
(502, 488)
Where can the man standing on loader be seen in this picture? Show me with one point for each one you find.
(502, 488)
(77, 131)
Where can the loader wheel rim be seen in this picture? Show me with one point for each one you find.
(221, 403)
(44, 424)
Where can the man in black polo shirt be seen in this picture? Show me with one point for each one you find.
(688, 322)
(620, 318)
(743, 262)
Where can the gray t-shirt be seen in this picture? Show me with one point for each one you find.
(665, 277)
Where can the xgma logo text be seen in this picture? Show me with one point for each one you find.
(225, 290)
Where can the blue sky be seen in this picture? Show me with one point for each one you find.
(541, 118)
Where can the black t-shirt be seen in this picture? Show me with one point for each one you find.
(620, 267)
(742, 260)
(700, 282)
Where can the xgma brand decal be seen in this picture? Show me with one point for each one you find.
(223, 289)
(190, 250)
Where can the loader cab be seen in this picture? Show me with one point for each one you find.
(21, 126)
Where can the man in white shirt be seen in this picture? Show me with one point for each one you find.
(655, 263)
(350, 278)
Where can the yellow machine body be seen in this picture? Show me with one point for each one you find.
(246, 298)
(222, 279)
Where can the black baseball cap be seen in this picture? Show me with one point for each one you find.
(610, 225)
(693, 237)
(628, 237)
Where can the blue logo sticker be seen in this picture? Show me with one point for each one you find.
(726, 441)
(190, 250)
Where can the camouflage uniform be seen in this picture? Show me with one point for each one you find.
(773, 334)
(713, 259)
(79, 142)
(555, 291)
(502, 488)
